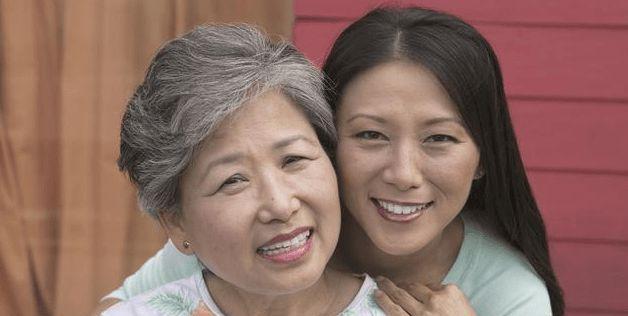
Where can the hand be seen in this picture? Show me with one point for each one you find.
(103, 305)
(418, 299)
(202, 310)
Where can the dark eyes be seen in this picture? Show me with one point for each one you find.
(293, 160)
(370, 135)
(439, 138)
(233, 180)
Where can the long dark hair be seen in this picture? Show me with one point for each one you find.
(464, 62)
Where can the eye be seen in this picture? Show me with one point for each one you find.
(441, 138)
(232, 181)
(292, 160)
(370, 135)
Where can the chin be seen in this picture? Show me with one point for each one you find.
(396, 250)
(396, 247)
(293, 283)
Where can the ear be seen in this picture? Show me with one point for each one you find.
(171, 223)
(479, 173)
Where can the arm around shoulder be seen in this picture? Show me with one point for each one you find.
(103, 305)
(167, 265)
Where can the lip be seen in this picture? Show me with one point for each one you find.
(285, 237)
(290, 256)
(399, 218)
(400, 203)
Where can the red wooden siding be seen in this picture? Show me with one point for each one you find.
(590, 312)
(566, 74)
(585, 136)
(563, 12)
(560, 62)
(593, 284)
(315, 38)
(582, 206)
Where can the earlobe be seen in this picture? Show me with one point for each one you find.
(479, 173)
(171, 223)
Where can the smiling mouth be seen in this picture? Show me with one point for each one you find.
(401, 212)
(288, 250)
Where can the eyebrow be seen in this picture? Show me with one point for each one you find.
(433, 121)
(290, 140)
(438, 120)
(231, 158)
(367, 116)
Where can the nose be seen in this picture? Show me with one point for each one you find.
(404, 167)
(278, 199)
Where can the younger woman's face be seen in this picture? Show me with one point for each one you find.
(260, 200)
(406, 161)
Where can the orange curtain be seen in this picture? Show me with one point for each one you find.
(69, 225)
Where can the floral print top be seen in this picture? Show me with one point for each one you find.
(190, 297)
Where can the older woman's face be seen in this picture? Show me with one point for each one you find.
(260, 202)
(405, 160)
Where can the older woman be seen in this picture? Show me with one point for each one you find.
(436, 194)
(225, 140)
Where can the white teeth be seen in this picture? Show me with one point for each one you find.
(402, 209)
(285, 246)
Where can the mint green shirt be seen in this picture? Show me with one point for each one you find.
(496, 278)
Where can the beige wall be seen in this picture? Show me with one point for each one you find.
(69, 226)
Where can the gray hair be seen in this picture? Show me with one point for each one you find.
(192, 84)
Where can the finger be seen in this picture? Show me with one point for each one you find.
(387, 305)
(421, 292)
(202, 310)
(449, 300)
(452, 290)
(400, 296)
(435, 286)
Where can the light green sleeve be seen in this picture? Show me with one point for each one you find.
(513, 294)
(497, 279)
(167, 265)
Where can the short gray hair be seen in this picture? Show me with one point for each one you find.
(192, 84)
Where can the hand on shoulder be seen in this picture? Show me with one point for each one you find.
(103, 305)
(418, 299)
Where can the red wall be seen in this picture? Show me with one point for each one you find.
(565, 65)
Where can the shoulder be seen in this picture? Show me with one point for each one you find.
(498, 279)
(364, 302)
(178, 297)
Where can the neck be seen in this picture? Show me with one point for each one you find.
(428, 265)
(320, 298)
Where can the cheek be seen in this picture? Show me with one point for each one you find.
(217, 228)
(223, 246)
(319, 189)
(343, 156)
(357, 165)
(316, 183)
(453, 174)
(358, 171)
(350, 179)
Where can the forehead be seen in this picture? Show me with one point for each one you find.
(265, 119)
(393, 83)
